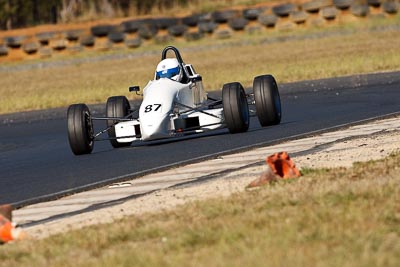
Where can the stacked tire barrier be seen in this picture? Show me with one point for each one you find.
(222, 24)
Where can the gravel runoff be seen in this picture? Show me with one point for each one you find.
(342, 153)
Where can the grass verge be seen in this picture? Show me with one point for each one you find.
(328, 217)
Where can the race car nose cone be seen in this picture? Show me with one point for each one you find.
(155, 130)
(150, 133)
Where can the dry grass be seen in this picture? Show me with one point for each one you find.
(328, 217)
(219, 61)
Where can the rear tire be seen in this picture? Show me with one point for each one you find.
(80, 129)
(101, 30)
(236, 110)
(116, 107)
(267, 100)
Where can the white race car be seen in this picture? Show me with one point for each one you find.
(175, 104)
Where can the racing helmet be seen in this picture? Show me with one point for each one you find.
(169, 68)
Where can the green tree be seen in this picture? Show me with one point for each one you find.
(7, 10)
(22, 13)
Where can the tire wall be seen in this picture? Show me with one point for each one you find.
(221, 24)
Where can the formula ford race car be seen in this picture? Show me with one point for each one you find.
(175, 104)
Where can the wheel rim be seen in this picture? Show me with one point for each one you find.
(89, 128)
(245, 110)
(277, 101)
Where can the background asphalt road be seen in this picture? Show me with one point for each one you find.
(36, 162)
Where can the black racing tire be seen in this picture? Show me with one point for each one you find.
(374, 3)
(236, 110)
(391, 7)
(45, 37)
(314, 6)
(116, 36)
(299, 17)
(177, 30)
(14, 41)
(284, 10)
(267, 100)
(31, 47)
(73, 35)
(329, 13)
(131, 26)
(3, 50)
(165, 23)
(87, 40)
(191, 21)
(223, 16)
(359, 10)
(251, 13)
(268, 20)
(342, 4)
(147, 30)
(59, 44)
(116, 107)
(80, 129)
(101, 30)
(238, 24)
(207, 27)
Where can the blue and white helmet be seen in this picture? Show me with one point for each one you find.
(169, 68)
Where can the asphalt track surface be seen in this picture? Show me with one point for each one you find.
(36, 162)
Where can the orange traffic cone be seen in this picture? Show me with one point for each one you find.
(282, 165)
(279, 166)
(7, 230)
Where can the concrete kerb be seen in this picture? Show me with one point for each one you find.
(190, 174)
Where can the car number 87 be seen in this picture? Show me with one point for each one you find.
(153, 107)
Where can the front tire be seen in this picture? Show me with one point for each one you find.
(116, 107)
(267, 100)
(80, 129)
(236, 110)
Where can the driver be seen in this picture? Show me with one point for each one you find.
(169, 68)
